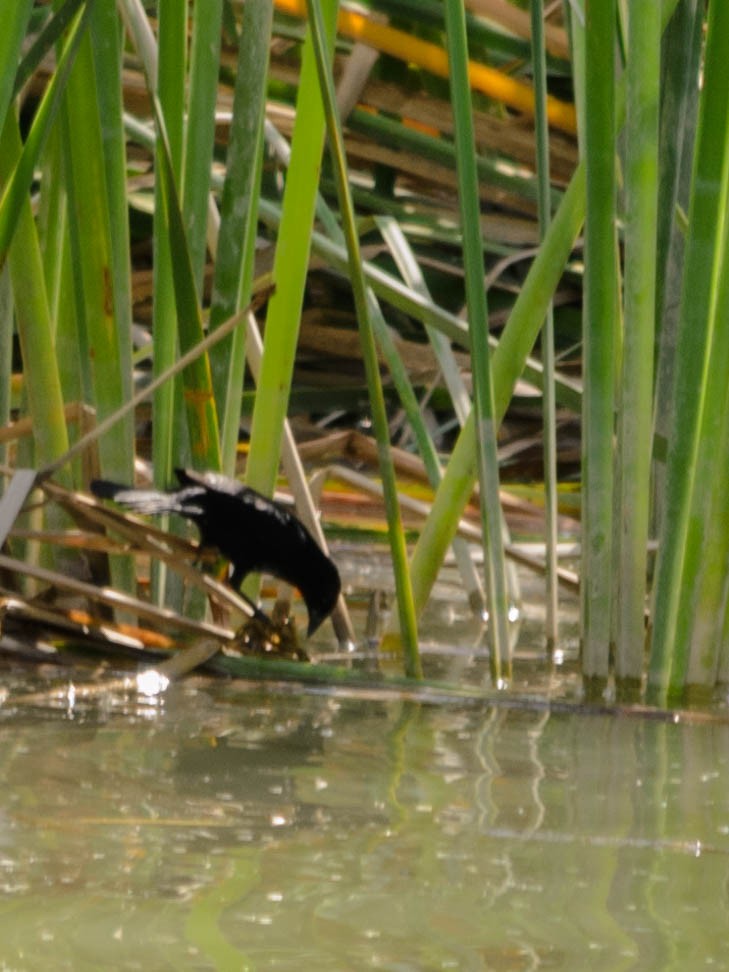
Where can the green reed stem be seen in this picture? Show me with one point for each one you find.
(635, 425)
(20, 177)
(239, 219)
(599, 339)
(483, 398)
(167, 81)
(107, 54)
(681, 550)
(34, 327)
(105, 340)
(202, 422)
(406, 612)
(12, 36)
(547, 336)
(704, 590)
(200, 129)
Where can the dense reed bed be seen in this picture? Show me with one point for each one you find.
(455, 212)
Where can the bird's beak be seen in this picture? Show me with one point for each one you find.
(315, 619)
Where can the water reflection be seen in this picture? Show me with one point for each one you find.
(239, 830)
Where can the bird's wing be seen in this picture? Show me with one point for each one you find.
(215, 482)
(253, 500)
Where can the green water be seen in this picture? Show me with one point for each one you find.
(234, 829)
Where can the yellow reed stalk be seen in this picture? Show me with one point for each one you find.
(397, 43)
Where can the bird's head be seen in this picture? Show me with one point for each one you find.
(321, 593)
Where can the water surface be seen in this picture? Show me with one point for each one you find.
(234, 828)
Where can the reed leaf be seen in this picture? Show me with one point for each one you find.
(408, 266)
(507, 363)
(290, 270)
(15, 22)
(35, 332)
(424, 309)
(20, 177)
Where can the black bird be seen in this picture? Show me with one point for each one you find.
(254, 533)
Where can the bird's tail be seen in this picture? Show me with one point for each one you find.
(138, 500)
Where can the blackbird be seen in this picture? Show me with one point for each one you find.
(254, 533)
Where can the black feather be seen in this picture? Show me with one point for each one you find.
(253, 532)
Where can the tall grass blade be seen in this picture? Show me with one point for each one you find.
(682, 53)
(681, 550)
(15, 22)
(43, 43)
(422, 308)
(635, 424)
(296, 476)
(100, 333)
(483, 400)
(704, 590)
(19, 179)
(507, 364)
(406, 612)
(170, 445)
(290, 269)
(547, 336)
(408, 266)
(599, 342)
(200, 129)
(412, 274)
(199, 400)
(107, 55)
(680, 63)
(35, 332)
(186, 359)
(239, 218)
